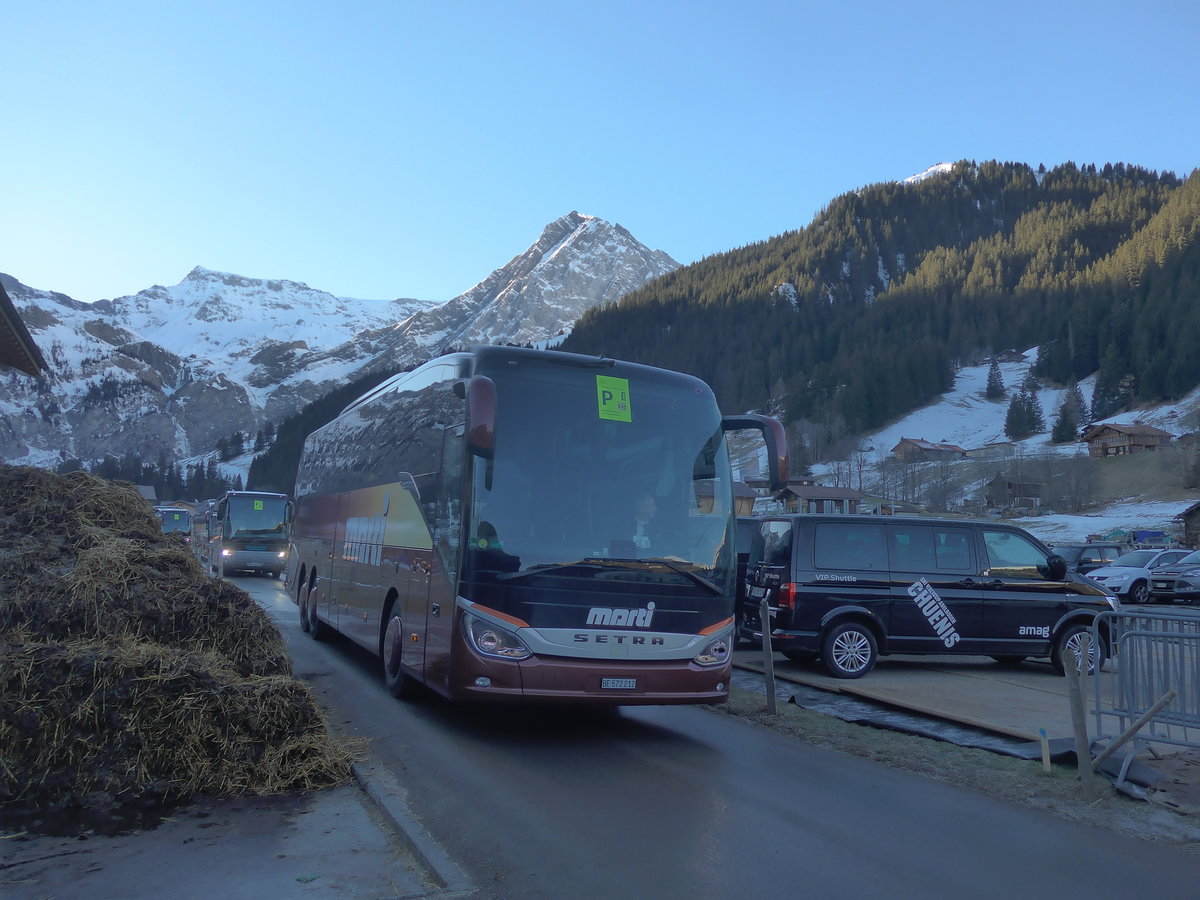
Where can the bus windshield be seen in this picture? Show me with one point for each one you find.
(175, 520)
(637, 494)
(257, 517)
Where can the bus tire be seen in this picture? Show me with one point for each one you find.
(316, 628)
(305, 625)
(398, 683)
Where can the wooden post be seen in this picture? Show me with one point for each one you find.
(1083, 753)
(764, 614)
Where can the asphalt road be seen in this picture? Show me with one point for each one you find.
(664, 802)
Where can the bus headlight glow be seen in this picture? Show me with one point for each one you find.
(715, 654)
(227, 552)
(489, 640)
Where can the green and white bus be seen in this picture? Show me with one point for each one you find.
(248, 531)
(474, 522)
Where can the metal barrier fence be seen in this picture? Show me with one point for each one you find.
(1155, 657)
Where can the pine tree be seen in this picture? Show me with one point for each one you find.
(1075, 394)
(995, 383)
(1066, 426)
(1024, 416)
(1014, 419)
(1033, 413)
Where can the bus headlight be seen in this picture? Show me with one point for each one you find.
(490, 640)
(715, 654)
(227, 552)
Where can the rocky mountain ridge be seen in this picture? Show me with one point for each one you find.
(167, 372)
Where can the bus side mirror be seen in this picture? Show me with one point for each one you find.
(778, 464)
(480, 393)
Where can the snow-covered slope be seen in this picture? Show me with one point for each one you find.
(965, 418)
(220, 316)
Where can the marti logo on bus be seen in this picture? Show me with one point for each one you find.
(638, 618)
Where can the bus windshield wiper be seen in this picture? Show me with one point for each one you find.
(683, 570)
(587, 565)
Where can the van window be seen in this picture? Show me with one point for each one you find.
(846, 545)
(923, 548)
(777, 543)
(1010, 554)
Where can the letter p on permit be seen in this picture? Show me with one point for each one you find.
(613, 399)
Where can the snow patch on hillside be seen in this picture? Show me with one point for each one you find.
(965, 418)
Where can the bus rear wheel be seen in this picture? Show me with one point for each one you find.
(398, 682)
(316, 628)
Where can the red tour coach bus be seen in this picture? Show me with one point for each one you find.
(513, 524)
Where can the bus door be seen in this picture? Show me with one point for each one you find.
(444, 514)
(415, 614)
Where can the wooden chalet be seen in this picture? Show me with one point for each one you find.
(806, 497)
(743, 498)
(1190, 520)
(1115, 439)
(921, 450)
(1002, 493)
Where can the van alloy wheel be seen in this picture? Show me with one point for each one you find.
(849, 651)
(1068, 650)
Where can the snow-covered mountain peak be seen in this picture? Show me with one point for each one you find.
(578, 262)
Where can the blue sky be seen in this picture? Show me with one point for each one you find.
(403, 149)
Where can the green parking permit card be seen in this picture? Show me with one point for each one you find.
(613, 396)
(258, 504)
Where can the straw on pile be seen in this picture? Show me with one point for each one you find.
(127, 675)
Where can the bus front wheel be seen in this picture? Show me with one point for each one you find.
(399, 683)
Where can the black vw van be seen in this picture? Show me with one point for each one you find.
(847, 589)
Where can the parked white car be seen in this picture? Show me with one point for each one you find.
(1128, 576)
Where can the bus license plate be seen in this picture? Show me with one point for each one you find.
(623, 684)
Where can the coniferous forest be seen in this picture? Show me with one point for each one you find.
(866, 313)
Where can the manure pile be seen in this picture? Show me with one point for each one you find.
(129, 678)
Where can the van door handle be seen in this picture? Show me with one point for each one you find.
(994, 583)
(967, 582)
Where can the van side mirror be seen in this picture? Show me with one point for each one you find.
(1056, 568)
(778, 464)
